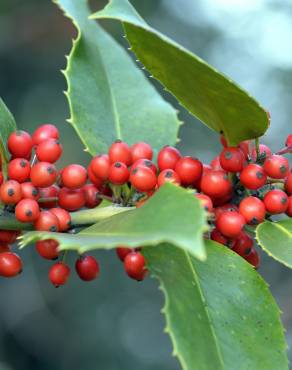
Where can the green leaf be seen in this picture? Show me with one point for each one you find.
(210, 96)
(276, 239)
(171, 215)
(220, 313)
(109, 97)
(7, 126)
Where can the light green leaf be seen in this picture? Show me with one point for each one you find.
(276, 239)
(109, 97)
(220, 313)
(171, 215)
(210, 96)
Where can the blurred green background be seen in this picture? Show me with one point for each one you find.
(115, 323)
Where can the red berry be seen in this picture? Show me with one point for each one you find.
(27, 210)
(216, 184)
(43, 174)
(20, 144)
(226, 207)
(47, 221)
(276, 166)
(215, 164)
(276, 201)
(288, 142)
(49, 150)
(134, 265)
(4, 248)
(71, 199)
(218, 237)
(289, 208)
(168, 176)
(94, 179)
(288, 184)
(10, 192)
(230, 223)
(45, 132)
(64, 218)
(91, 196)
(144, 163)
(48, 249)
(253, 176)
(29, 191)
(87, 268)
(243, 244)
(253, 210)
(49, 192)
(122, 252)
(10, 264)
(74, 176)
(167, 158)
(59, 274)
(119, 173)
(265, 152)
(232, 159)
(205, 201)
(189, 170)
(100, 166)
(143, 179)
(253, 258)
(119, 151)
(1, 178)
(19, 169)
(141, 151)
(8, 236)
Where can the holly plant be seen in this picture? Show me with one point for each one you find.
(194, 227)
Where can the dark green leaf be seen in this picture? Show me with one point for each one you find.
(172, 215)
(210, 96)
(7, 125)
(109, 97)
(220, 314)
(276, 239)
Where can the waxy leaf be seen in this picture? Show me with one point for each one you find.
(276, 239)
(220, 313)
(109, 97)
(210, 96)
(7, 126)
(171, 215)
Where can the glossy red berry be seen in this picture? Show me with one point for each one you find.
(98, 182)
(119, 151)
(232, 159)
(87, 268)
(43, 174)
(243, 244)
(10, 192)
(167, 158)
(91, 194)
(119, 173)
(49, 150)
(10, 264)
(141, 150)
(64, 218)
(253, 210)
(288, 184)
(47, 221)
(253, 258)
(218, 237)
(48, 249)
(264, 151)
(45, 132)
(189, 170)
(276, 166)
(216, 184)
(168, 176)
(215, 164)
(230, 223)
(288, 142)
(289, 208)
(100, 166)
(51, 192)
(20, 144)
(59, 274)
(276, 201)
(74, 176)
(29, 191)
(71, 199)
(143, 179)
(226, 207)
(134, 264)
(27, 210)
(144, 163)
(205, 201)
(253, 176)
(122, 252)
(19, 169)
(8, 236)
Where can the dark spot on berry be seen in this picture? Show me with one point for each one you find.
(28, 213)
(22, 164)
(221, 132)
(259, 175)
(53, 228)
(168, 174)
(284, 200)
(283, 169)
(118, 141)
(228, 155)
(247, 251)
(10, 192)
(254, 221)
(117, 165)
(147, 163)
(34, 192)
(51, 170)
(135, 171)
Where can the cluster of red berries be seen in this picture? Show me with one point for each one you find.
(240, 188)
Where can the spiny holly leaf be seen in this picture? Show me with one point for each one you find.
(109, 97)
(213, 98)
(171, 215)
(220, 314)
(276, 239)
(7, 125)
